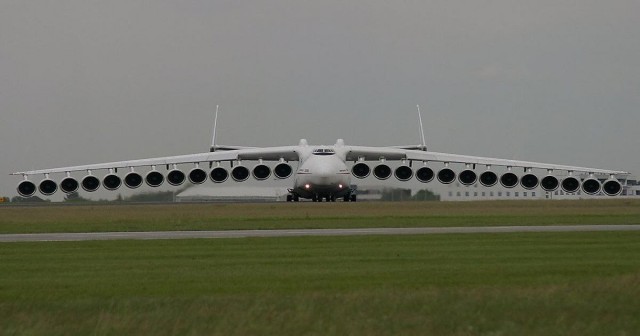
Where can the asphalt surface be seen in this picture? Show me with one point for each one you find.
(44, 237)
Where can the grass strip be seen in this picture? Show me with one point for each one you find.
(527, 284)
(170, 217)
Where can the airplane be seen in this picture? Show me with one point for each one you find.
(325, 172)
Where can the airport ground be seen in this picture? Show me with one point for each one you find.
(571, 283)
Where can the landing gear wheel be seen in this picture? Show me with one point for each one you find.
(353, 198)
(289, 198)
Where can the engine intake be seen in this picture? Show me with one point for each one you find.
(240, 173)
(90, 183)
(529, 181)
(261, 172)
(382, 171)
(612, 187)
(154, 178)
(133, 180)
(26, 188)
(111, 182)
(570, 184)
(47, 187)
(591, 186)
(176, 177)
(69, 185)
(283, 170)
(403, 173)
(468, 177)
(509, 180)
(446, 176)
(549, 183)
(219, 175)
(197, 176)
(488, 179)
(361, 170)
(425, 174)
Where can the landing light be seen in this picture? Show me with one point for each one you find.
(340, 186)
(307, 186)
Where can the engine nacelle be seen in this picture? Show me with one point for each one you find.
(612, 187)
(154, 178)
(509, 180)
(468, 177)
(425, 174)
(570, 184)
(111, 182)
(403, 173)
(90, 183)
(591, 186)
(219, 175)
(197, 176)
(26, 188)
(261, 172)
(529, 181)
(47, 187)
(176, 177)
(361, 170)
(488, 178)
(382, 171)
(240, 173)
(133, 180)
(446, 176)
(549, 183)
(283, 170)
(69, 185)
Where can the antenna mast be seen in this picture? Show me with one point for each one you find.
(423, 144)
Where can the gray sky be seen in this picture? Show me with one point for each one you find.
(94, 81)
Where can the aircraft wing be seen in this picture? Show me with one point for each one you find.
(355, 153)
(287, 153)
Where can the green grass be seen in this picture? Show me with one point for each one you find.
(465, 284)
(98, 218)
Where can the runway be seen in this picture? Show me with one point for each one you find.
(50, 237)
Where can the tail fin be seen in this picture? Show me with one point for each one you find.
(215, 126)
(423, 144)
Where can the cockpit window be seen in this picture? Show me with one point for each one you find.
(324, 151)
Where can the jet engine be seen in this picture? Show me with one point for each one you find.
(509, 180)
(176, 177)
(111, 182)
(197, 176)
(48, 187)
(488, 178)
(612, 187)
(154, 178)
(529, 181)
(219, 175)
(90, 183)
(361, 170)
(26, 188)
(382, 171)
(240, 173)
(570, 184)
(403, 173)
(446, 176)
(69, 185)
(283, 170)
(425, 174)
(133, 180)
(261, 172)
(468, 177)
(549, 183)
(591, 186)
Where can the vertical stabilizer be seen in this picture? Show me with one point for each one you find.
(215, 126)
(423, 143)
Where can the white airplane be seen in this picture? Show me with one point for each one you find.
(325, 172)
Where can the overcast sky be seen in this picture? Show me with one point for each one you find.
(95, 81)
